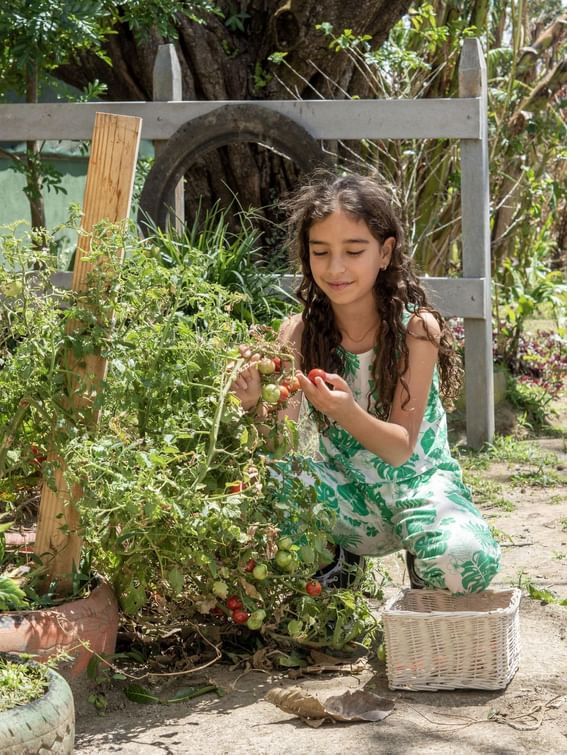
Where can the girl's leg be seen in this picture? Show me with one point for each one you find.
(358, 523)
(451, 542)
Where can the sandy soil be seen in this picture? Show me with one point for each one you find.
(530, 716)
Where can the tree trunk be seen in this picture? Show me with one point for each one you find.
(222, 63)
(33, 169)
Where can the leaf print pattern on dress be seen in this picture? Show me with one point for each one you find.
(433, 576)
(477, 573)
(354, 498)
(431, 544)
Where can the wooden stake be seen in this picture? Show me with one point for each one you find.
(108, 195)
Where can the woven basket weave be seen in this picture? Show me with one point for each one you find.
(436, 640)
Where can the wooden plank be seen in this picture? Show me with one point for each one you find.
(475, 202)
(167, 86)
(323, 119)
(108, 194)
(454, 297)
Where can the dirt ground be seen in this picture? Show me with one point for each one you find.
(529, 716)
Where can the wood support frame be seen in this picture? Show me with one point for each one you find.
(108, 195)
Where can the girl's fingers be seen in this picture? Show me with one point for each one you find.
(336, 381)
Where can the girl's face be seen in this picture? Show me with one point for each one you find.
(345, 258)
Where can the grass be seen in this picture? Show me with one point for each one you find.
(487, 493)
(20, 683)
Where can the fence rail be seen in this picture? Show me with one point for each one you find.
(323, 119)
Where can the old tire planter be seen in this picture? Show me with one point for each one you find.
(45, 725)
(45, 632)
(224, 125)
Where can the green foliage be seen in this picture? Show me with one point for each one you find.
(230, 253)
(20, 683)
(180, 489)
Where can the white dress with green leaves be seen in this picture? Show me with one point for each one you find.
(421, 506)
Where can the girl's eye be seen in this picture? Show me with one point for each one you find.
(355, 254)
(318, 254)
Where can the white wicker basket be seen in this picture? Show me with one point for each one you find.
(435, 640)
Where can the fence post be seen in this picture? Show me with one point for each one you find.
(167, 87)
(479, 377)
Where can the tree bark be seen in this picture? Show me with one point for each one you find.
(222, 63)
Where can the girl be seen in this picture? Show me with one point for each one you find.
(386, 469)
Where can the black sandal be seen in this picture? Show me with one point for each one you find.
(416, 582)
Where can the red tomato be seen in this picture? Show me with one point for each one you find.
(277, 364)
(315, 373)
(292, 384)
(284, 393)
(250, 564)
(233, 603)
(240, 617)
(238, 487)
(216, 611)
(313, 588)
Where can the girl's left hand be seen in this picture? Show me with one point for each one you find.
(336, 403)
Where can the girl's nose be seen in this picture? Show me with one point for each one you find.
(336, 264)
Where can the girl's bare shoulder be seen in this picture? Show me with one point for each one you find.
(290, 334)
(423, 324)
(291, 331)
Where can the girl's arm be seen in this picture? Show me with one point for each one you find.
(393, 441)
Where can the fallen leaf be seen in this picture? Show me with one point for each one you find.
(350, 706)
(359, 706)
(296, 701)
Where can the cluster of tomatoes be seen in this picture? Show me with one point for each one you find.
(286, 560)
(276, 387)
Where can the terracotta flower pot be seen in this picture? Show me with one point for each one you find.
(48, 631)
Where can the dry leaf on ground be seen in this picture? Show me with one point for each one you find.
(350, 706)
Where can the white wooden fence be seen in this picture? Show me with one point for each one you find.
(462, 118)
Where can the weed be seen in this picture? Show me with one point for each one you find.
(488, 492)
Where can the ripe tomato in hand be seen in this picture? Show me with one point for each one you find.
(315, 373)
(313, 588)
(233, 603)
(240, 617)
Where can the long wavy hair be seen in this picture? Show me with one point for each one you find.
(397, 290)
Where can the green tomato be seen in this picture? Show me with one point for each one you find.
(285, 543)
(271, 393)
(266, 366)
(294, 627)
(260, 572)
(283, 559)
(256, 619)
(220, 589)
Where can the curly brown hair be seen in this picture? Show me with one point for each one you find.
(397, 290)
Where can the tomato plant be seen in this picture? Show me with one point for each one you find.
(160, 472)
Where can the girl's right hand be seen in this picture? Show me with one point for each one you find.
(247, 386)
